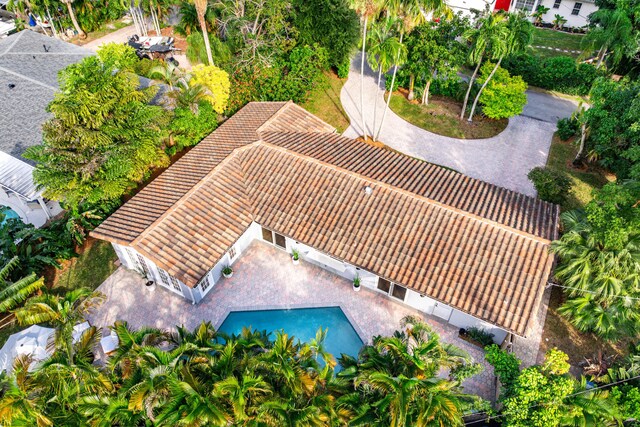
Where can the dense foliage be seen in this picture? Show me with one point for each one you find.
(599, 261)
(551, 185)
(216, 83)
(202, 377)
(103, 137)
(558, 73)
(504, 96)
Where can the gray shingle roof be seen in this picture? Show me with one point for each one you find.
(28, 81)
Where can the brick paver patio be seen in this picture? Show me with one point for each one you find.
(264, 277)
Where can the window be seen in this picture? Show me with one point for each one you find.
(267, 235)
(143, 264)
(164, 277)
(399, 292)
(525, 5)
(233, 253)
(384, 285)
(205, 283)
(576, 9)
(175, 283)
(556, 4)
(280, 241)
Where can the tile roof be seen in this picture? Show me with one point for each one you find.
(482, 250)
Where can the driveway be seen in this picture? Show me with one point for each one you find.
(503, 160)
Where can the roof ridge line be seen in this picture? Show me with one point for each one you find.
(441, 205)
(29, 79)
(273, 116)
(18, 37)
(196, 187)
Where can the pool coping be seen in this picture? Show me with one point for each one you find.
(345, 311)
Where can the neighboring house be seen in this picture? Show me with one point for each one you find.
(575, 12)
(29, 65)
(451, 246)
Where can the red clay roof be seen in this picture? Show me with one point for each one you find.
(491, 262)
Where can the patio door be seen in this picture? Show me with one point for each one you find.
(169, 282)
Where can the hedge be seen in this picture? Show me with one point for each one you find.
(559, 73)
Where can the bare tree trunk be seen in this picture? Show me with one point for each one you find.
(412, 82)
(471, 80)
(601, 54)
(583, 136)
(425, 94)
(393, 82)
(375, 103)
(364, 41)
(475, 101)
(72, 15)
(53, 27)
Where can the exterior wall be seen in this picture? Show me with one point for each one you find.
(128, 258)
(565, 9)
(465, 6)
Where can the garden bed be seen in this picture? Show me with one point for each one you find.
(442, 116)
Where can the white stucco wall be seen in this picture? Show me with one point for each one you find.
(565, 8)
(29, 212)
(413, 299)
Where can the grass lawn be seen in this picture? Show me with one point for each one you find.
(584, 180)
(95, 263)
(325, 103)
(441, 116)
(556, 39)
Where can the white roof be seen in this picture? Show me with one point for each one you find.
(17, 176)
(32, 340)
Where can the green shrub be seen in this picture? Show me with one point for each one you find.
(559, 73)
(567, 128)
(552, 186)
(451, 88)
(144, 66)
(343, 69)
(188, 127)
(197, 52)
(506, 366)
(481, 335)
(119, 56)
(504, 96)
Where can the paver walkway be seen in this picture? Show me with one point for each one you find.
(503, 160)
(265, 278)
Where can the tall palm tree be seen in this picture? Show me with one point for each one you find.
(614, 31)
(62, 312)
(489, 31)
(74, 20)
(586, 408)
(19, 403)
(14, 293)
(367, 9)
(201, 10)
(410, 13)
(517, 38)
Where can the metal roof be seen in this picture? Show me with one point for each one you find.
(16, 176)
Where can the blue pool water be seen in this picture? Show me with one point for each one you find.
(9, 214)
(301, 323)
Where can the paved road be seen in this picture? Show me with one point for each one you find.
(503, 160)
(548, 108)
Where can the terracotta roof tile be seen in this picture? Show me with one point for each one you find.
(474, 246)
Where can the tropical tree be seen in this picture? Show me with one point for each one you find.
(558, 21)
(103, 137)
(367, 9)
(598, 266)
(74, 20)
(539, 13)
(518, 36)
(14, 293)
(383, 50)
(488, 38)
(580, 116)
(61, 312)
(614, 31)
(201, 10)
(19, 405)
(409, 13)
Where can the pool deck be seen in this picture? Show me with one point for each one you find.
(265, 278)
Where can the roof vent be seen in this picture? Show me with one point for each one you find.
(368, 190)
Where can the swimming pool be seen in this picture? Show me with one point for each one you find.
(301, 323)
(9, 214)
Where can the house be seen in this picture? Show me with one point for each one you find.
(575, 12)
(451, 246)
(29, 65)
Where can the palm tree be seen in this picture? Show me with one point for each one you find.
(410, 13)
(614, 31)
(490, 32)
(201, 10)
(13, 294)
(558, 21)
(19, 404)
(72, 15)
(367, 9)
(383, 49)
(581, 116)
(587, 408)
(62, 312)
(519, 34)
(537, 15)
